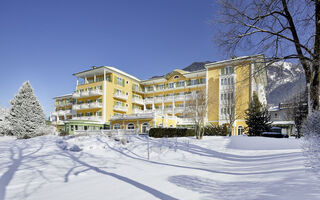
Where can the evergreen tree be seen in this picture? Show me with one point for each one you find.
(257, 117)
(26, 114)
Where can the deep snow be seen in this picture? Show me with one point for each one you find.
(229, 168)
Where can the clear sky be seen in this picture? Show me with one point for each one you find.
(46, 41)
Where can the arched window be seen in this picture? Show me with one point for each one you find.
(116, 126)
(240, 130)
(130, 126)
(145, 127)
(176, 76)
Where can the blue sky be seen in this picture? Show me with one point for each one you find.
(45, 41)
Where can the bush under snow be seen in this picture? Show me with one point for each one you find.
(311, 131)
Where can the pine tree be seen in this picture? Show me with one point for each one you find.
(257, 117)
(26, 114)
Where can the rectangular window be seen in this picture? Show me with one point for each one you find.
(120, 81)
(194, 82)
(160, 87)
(180, 83)
(171, 85)
(202, 80)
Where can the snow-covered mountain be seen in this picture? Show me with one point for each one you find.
(284, 80)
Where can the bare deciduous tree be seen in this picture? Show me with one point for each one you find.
(196, 109)
(281, 29)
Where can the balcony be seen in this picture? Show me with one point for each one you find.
(62, 104)
(120, 96)
(96, 92)
(120, 108)
(76, 107)
(137, 111)
(95, 105)
(76, 95)
(168, 98)
(189, 97)
(179, 98)
(182, 121)
(158, 99)
(179, 109)
(84, 94)
(148, 101)
(84, 106)
(88, 118)
(137, 100)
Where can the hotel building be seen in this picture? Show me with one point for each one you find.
(106, 97)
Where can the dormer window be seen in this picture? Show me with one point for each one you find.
(176, 76)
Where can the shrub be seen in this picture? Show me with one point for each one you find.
(216, 130)
(63, 133)
(171, 132)
(311, 132)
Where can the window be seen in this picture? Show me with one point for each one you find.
(160, 125)
(202, 80)
(88, 114)
(240, 130)
(176, 76)
(145, 127)
(180, 84)
(149, 88)
(120, 81)
(171, 85)
(194, 82)
(127, 82)
(130, 126)
(160, 87)
(116, 126)
(227, 70)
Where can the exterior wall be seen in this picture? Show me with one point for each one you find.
(244, 87)
(213, 94)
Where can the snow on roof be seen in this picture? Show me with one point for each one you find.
(282, 123)
(63, 96)
(273, 108)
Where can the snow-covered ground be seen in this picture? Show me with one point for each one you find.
(184, 168)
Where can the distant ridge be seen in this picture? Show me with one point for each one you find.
(196, 66)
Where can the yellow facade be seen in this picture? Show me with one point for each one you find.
(122, 99)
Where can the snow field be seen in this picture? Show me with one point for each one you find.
(239, 167)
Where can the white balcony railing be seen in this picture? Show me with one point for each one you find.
(148, 101)
(89, 118)
(158, 99)
(179, 98)
(76, 107)
(96, 92)
(120, 108)
(95, 105)
(137, 100)
(120, 96)
(179, 109)
(137, 111)
(84, 94)
(84, 106)
(76, 95)
(168, 98)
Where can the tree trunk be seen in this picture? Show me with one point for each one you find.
(314, 87)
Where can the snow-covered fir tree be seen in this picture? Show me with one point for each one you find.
(26, 114)
(4, 125)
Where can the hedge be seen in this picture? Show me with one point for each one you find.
(171, 132)
(216, 130)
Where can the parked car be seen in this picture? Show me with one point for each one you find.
(274, 132)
